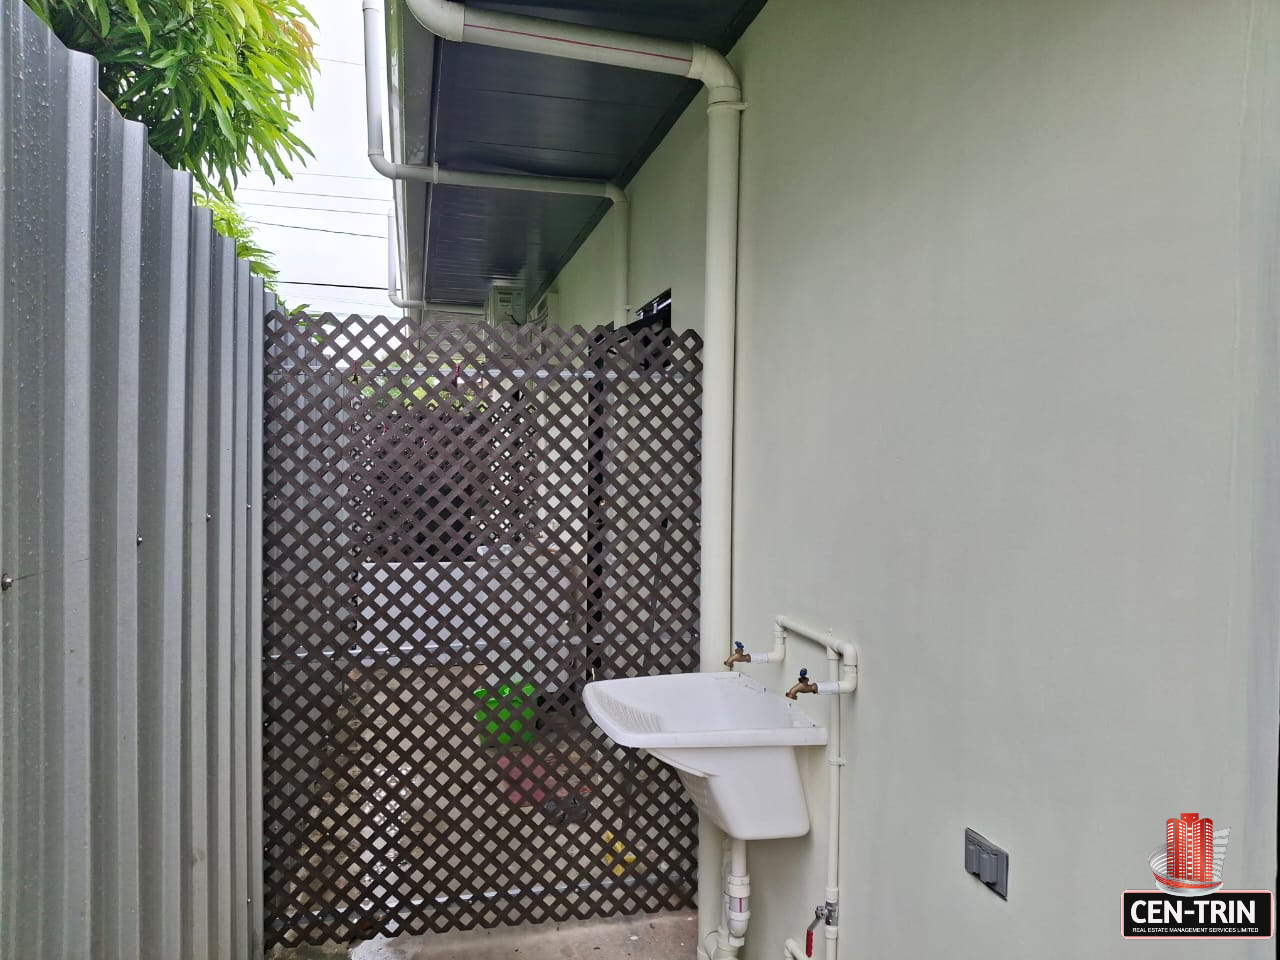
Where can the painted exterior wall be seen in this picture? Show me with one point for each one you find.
(1006, 414)
(130, 506)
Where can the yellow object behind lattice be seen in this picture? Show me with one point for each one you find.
(623, 860)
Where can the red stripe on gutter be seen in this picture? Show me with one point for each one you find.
(580, 43)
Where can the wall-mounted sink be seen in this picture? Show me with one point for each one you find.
(732, 741)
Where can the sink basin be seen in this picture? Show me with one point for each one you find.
(731, 741)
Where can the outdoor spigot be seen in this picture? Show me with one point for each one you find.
(739, 655)
(802, 685)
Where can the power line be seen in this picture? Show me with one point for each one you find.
(328, 298)
(343, 286)
(294, 226)
(339, 176)
(297, 206)
(304, 193)
(320, 301)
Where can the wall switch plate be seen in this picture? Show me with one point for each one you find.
(986, 861)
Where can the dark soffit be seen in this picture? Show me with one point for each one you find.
(469, 107)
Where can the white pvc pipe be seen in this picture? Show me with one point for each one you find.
(842, 672)
(835, 763)
(433, 173)
(737, 899)
(453, 21)
(571, 41)
(393, 285)
(622, 248)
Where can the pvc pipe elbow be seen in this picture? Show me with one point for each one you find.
(716, 74)
(442, 17)
(406, 304)
(380, 163)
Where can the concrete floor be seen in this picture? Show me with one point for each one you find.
(659, 936)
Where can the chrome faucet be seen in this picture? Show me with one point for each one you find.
(738, 656)
(802, 685)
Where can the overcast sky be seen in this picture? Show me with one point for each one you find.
(336, 191)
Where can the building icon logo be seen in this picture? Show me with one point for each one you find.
(1189, 902)
(1189, 864)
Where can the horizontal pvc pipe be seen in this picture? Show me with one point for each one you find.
(682, 58)
(434, 173)
(847, 651)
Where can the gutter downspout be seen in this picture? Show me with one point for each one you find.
(453, 21)
(393, 285)
(434, 173)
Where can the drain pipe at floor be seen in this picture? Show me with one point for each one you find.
(737, 901)
(434, 173)
(467, 24)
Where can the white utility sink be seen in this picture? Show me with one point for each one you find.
(732, 741)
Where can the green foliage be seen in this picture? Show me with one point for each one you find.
(213, 80)
(231, 223)
(408, 391)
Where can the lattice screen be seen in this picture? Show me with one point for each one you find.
(464, 524)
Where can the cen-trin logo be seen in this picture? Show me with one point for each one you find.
(1190, 862)
(1189, 902)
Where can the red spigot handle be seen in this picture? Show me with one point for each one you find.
(808, 943)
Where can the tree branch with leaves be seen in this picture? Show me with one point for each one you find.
(214, 81)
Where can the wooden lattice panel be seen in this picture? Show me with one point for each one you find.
(464, 524)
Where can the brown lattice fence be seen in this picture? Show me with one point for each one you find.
(463, 525)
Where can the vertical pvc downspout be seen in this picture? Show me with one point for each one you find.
(719, 332)
(622, 254)
(453, 21)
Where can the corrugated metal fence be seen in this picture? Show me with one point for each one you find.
(130, 532)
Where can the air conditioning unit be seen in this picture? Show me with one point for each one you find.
(506, 304)
(546, 312)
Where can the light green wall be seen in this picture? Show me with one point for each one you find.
(1006, 414)
(587, 287)
(668, 198)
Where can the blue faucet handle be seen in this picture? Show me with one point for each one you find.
(738, 646)
(804, 675)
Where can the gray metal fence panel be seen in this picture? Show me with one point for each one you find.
(160, 496)
(113, 553)
(240, 856)
(218, 598)
(195, 714)
(129, 486)
(253, 591)
(44, 487)
(117, 236)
